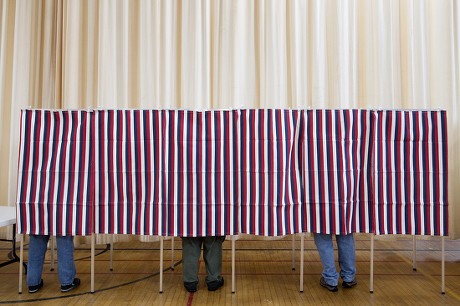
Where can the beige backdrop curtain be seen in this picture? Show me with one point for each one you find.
(224, 54)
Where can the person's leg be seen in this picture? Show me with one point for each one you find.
(191, 249)
(347, 257)
(36, 258)
(326, 253)
(66, 263)
(212, 254)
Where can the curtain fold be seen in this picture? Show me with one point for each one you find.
(396, 54)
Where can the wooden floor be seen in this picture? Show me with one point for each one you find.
(264, 276)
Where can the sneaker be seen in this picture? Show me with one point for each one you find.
(73, 285)
(213, 286)
(349, 284)
(331, 288)
(191, 286)
(33, 289)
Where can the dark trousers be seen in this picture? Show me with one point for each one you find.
(212, 254)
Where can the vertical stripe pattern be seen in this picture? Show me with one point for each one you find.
(129, 167)
(54, 173)
(166, 172)
(201, 169)
(411, 173)
(337, 174)
(270, 161)
(264, 172)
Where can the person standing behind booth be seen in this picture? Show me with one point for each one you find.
(66, 264)
(346, 256)
(212, 254)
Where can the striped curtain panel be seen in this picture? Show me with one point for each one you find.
(338, 171)
(128, 162)
(264, 172)
(166, 172)
(411, 173)
(200, 172)
(270, 171)
(55, 173)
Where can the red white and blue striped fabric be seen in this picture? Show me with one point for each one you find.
(411, 173)
(54, 195)
(338, 189)
(200, 174)
(128, 163)
(262, 172)
(168, 172)
(270, 163)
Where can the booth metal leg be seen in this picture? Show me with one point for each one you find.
(414, 253)
(233, 264)
(371, 281)
(21, 260)
(293, 252)
(302, 246)
(443, 266)
(52, 247)
(92, 261)
(172, 253)
(111, 252)
(161, 264)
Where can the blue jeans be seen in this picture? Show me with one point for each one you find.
(66, 263)
(347, 257)
(212, 254)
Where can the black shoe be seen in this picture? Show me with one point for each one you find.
(190, 286)
(349, 284)
(33, 289)
(213, 286)
(323, 283)
(73, 285)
